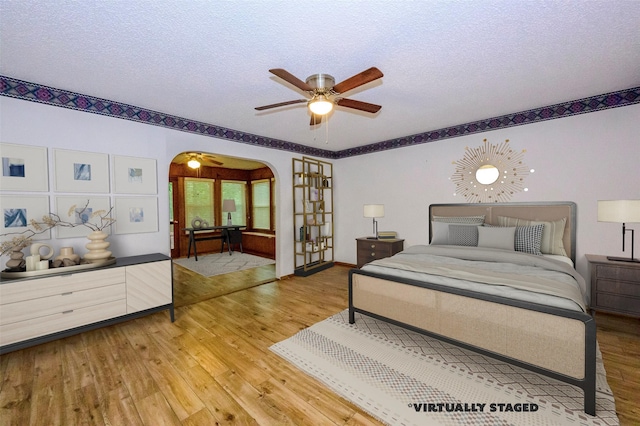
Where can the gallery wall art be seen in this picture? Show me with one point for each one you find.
(136, 215)
(132, 175)
(19, 210)
(24, 168)
(79, 171)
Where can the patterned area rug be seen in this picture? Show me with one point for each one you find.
(405, 378)
(223, 263)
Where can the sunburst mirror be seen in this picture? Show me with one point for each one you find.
(490, 173)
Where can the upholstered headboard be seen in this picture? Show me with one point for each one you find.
(542, 211)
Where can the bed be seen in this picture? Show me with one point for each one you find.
(525, 305)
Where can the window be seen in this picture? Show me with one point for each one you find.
(198, 200)
(261, 192)
(237, 191)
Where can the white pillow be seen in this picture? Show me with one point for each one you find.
(439, 233)
(499, 238)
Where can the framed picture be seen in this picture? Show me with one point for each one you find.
(77, 171)
(18, 211)
(133, 175)
(80, 210)
(24, 168)
(136, 215)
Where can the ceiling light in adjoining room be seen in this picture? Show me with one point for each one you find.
(193, 163)
(320, 105)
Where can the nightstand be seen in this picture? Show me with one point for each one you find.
(370, 249)
(615, 286)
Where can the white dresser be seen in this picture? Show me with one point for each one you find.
(40, 309)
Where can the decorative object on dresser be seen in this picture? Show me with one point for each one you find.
(35, 310)
(369, 249)
(620, 211)
(374, 211)
(615, 285)
(312, 215)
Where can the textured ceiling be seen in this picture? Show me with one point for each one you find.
(444, 62)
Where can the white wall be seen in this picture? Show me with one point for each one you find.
(583, 158)
(28, 123)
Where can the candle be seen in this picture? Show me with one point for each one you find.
(32, 261)
(43, 264)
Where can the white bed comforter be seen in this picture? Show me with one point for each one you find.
(509, 274)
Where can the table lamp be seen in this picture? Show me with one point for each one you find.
(374, 211)
(228, 206)
(620, 211)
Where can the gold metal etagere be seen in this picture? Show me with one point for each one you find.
(312, 215)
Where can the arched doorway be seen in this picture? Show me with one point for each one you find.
(200, 193)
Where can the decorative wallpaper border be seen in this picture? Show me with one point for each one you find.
(34, 92)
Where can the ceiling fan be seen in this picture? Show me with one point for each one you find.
(195, 159)
(324, 93)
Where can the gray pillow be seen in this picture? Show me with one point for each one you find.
(460, 219)
(499, 238)
(463, 235)
(528, 239)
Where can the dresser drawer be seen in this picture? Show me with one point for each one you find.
(59, 303)
(42, 287)
(617, 303)
(618, 287)
(23, 330)
(618, 273)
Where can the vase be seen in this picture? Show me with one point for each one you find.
(67, 253)
(97, 247)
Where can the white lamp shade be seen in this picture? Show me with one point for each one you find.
(228, 205)
(320, 106)
(374, 210)
(620, 211)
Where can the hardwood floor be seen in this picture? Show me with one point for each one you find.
(190, 287)
(213, 366)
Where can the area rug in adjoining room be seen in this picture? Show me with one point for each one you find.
(405, 378)
(223, 263)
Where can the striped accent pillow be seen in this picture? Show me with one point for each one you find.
(551, 235)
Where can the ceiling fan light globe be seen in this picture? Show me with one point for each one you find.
(320, 106)
(193, 163)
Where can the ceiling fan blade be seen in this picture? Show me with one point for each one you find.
(362, 106)
(315, 119)
(299, 101)
(290, 78)
(364, 77)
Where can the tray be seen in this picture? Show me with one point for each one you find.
(54, 271)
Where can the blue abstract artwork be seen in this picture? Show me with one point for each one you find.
(82, 215)
(136, 214)
(15, 218)
(135, 175)
(13, 167)
(81, 171)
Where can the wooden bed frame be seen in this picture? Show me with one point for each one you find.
(555, 342)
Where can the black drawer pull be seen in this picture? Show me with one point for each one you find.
(67, 312)
(67, 293)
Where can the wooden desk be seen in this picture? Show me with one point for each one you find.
(224, 235)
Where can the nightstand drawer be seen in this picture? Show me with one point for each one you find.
(618, 273)
(369, 249)
(618, 287)
(615, 303)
